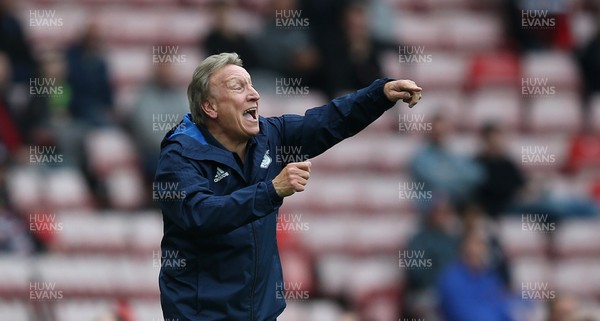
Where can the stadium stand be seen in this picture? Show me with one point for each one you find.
(105, 250)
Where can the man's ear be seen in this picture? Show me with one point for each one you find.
(209, 109)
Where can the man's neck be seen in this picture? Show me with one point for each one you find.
(232, 145)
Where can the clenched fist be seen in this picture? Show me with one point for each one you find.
(405, 90)
(292, 178)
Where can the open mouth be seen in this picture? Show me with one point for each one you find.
(251, 113)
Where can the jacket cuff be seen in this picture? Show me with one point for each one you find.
(377, 96)
(276, 200)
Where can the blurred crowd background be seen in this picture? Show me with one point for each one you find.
(479, 204)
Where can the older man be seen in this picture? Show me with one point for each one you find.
(220, 186)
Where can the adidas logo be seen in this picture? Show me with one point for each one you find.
(220, 174)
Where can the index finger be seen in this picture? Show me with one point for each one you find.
(407, 85)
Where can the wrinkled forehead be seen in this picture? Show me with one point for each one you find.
(229, 73)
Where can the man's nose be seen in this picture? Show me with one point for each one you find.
(254, 95)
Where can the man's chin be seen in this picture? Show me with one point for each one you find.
(253, 131)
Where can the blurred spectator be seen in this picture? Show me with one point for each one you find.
(50, 95)
(10, 138)
(160, 105)
(589, 65)
(438, 238)
(503, 179)
(583, 152)
(469, 290)
(562, 308)
(16, 46)
(92, 99)
(285, 46)
(225, 38)
(14, 237)
(443, 171)
(538, 25)
(352, 60)
(475, 220)
(505, 188)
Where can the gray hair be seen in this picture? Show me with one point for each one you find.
(198, 91)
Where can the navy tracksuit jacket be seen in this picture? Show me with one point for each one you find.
(219, 252)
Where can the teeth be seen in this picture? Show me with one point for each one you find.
(249, 110)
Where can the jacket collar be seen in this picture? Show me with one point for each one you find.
(199, 144)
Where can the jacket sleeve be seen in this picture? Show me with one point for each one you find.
(185, 198)
(322, 127)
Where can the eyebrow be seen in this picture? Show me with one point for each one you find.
(238, 79)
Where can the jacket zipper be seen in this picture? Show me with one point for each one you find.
(255, 272)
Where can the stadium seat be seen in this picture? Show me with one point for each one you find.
(322, 310)
(496, 68)
(125, 189)
(298, 270)
(24, 188)
(583, 25)
(472, 31)
(379, 233)
(501, 105)
(15, 275)
(578, 276)
(147, 310)
(448, 103)
(108, 150)
(518, 242)
(369, 152)
(530, 269)
(130, 25)
(92, 233)
(445, 71)
(576, 238)
(14, 310)
(145, 231)
(412, 28)
(552, 146)
(66, 188)
(557, 68)
(129, 65)
(560, 113)
(70, 16)
(77, 310)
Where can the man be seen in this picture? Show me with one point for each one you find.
(470, 289)
(220, 186)
(442, 170)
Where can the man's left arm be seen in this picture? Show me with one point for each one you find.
(322, 127)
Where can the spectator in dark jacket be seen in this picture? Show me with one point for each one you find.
(503, 179)
(88, 76)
